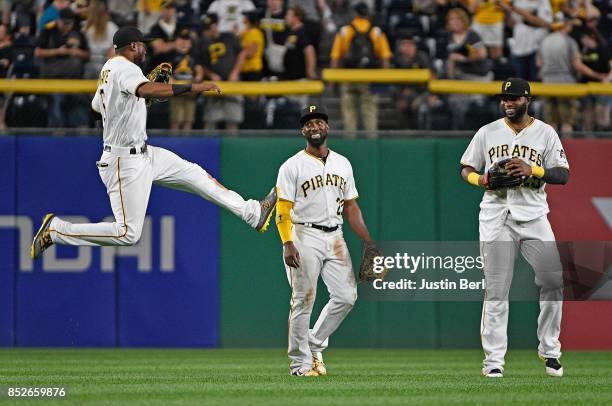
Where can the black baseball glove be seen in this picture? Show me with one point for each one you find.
(160, 74)
(497, 177)
(367, 273)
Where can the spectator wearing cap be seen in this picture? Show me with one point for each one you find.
(488, 23)
(218, 60)
(252, 43)
(230, 14)
(595, 109)
(411, 99)
(99, 31)
(63, 51)
(530, 21)
(360, 45)
(182, 109)
(51, 13)
(148, 13)
(162, 35)
(560, 57)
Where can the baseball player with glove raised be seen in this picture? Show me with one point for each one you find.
(128, 166)
(316, 188)
(519, 155)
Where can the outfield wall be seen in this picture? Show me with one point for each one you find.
(200, 277)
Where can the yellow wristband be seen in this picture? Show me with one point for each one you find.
(473, 178)
(537, 171)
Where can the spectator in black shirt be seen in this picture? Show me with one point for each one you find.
(220, 57)
(300, 57)
(182, 109)
(467, 54)
(596, 109)
(64, 51)
(410, 99)
(275, 31)
(467, 60)
(163, 32)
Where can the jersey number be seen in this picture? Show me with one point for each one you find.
(533, 183)
(340, 206)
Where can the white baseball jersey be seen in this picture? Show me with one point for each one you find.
(537, 144)
(317, 189)
(527, 38)
(124, 115)
(229, 13)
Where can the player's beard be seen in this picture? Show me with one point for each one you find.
(316, 138)
(519, 112)
(141, 60)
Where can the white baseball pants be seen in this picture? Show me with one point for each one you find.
(535, 240)
(128, 179)
(324, 254)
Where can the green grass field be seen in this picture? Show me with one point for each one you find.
(355, 376)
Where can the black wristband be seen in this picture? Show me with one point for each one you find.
(177, 90)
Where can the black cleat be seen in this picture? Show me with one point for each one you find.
(553, 367)
(42, 240)
(494, 373)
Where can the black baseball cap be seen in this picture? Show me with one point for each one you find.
(126, 35)
(361, 8)
(312, 111)
(254, 16)
(515, 87)
(209, 19)
(184, 33)
(66, 14)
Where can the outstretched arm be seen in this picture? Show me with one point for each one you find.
(153, 90)
(353, 215)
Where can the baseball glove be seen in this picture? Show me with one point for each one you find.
(160, 74)
(367, 272)
(497, 177)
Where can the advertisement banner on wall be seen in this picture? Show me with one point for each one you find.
(163, 291)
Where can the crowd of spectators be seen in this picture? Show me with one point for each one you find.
(564, 41)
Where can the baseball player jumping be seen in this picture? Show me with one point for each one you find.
(315, 188)
(128, 166)
(519, 155)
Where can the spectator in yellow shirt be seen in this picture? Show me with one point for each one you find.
(488, 22)
(252, 43)
(360, 45)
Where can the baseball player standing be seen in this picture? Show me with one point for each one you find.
(128, 166)
(514, 218)
(315, 188)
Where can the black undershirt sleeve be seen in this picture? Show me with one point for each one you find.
(556, 176)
